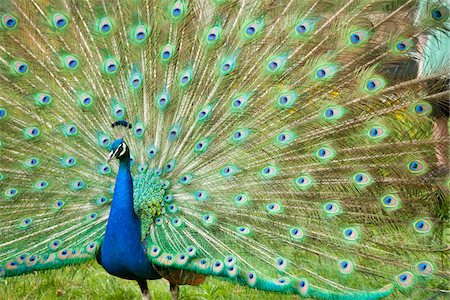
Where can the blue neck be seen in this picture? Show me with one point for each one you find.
(122, 253)
(122, 204)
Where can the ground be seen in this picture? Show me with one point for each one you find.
(90, 281)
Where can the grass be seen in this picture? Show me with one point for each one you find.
(90, 281)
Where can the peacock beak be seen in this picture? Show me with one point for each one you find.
(111, 155)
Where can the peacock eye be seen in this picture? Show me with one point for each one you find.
(241, 199)
(345, 266)
(9, 21)
(269, 171)
(440, 13)
(325, 72)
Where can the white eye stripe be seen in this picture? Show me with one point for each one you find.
(122, 148)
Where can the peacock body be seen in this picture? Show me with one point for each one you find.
(274, 144)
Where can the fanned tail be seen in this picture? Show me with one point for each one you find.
(281, 145)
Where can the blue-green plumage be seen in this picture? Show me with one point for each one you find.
(122, 253)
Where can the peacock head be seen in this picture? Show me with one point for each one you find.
(119, 150)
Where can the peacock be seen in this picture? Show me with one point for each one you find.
(288, 146)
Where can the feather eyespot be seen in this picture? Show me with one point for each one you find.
(440, 13)
(229, 171)
(227, 65)
(403, 46)
(304, 27)
(201, 146)
(9, 21)
(358, 37)
(31, 132)
(140, 34)
(374, 85)
(422, 226)
(135, 80)
(269, 171)
(251, 279)
(238, 103)
(59, 21)
(71, 62)
(296, 233)
(303, 287)
(186, 179)
(110, 66)
(332, 209)
(70, 130)
(101, 200)
(69, 161)
(174, 132)
(333, 112)
(152, 151)
(168, 198)
(43, 99)
(230, 261)
(20, 67)
(85, 100)
(58, 204)
(281, 264)
(276, 64)
(417, 167)
(362, 179)
(285, 138)
(217, 267)
(208, 218)
(204, 113)
(405, 279)
(185, 77)
(54, 245)
(77, 185)
(40, 185)
(25, 223)
(173, 208)
(155, 251)
(350, 234)
(424, 268)
(177, 222)
(167, 52)
(252, 29)
(241, 199)
(201, 195)
(213, 35)
(3, 113)
(32, 162)
(240, 135)
(170, 166)
(178, 10)
(191, 251)
(105, 26)
(162, 100)
(304, 182)
(390, 202)
(324, 153)
(325, 72)
(422, 108)
(287, 99)
(274, 208)
(244, 230)
(377, 132)
(345, 266)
